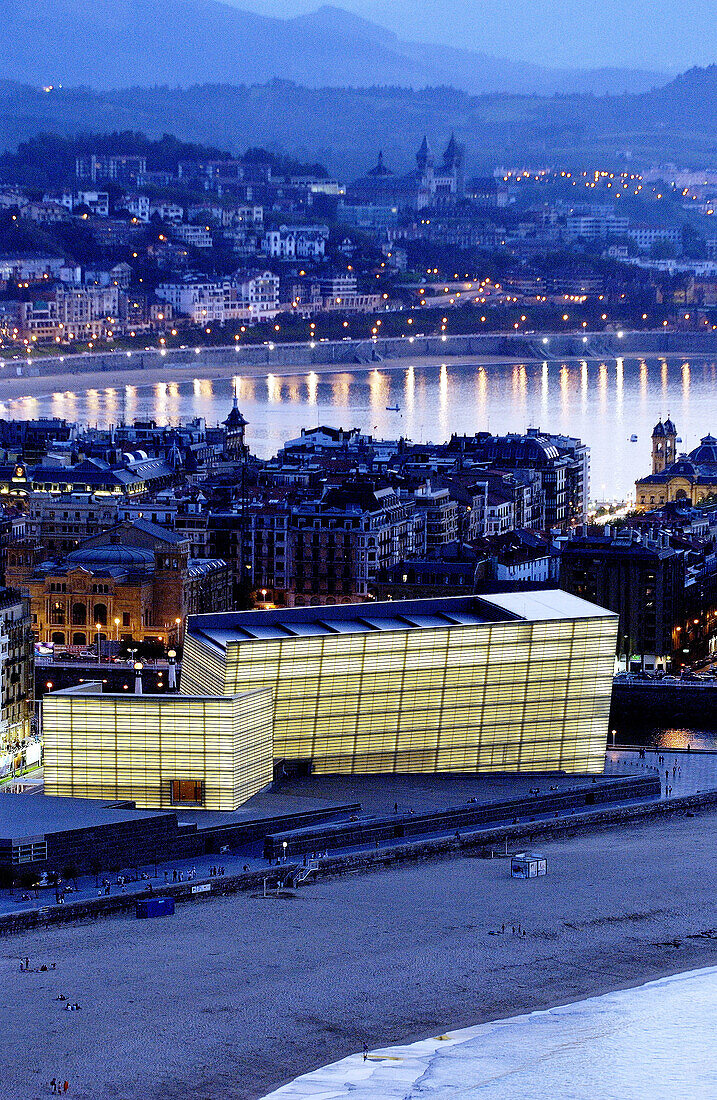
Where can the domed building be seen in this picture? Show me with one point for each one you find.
(135, 581)
(685, 478)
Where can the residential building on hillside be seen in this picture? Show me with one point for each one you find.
(110, 166)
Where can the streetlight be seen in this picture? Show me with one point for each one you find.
(97, 631)
(138, 677)
(117, 626)
(172, 676)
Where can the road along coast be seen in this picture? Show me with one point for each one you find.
(43, 376)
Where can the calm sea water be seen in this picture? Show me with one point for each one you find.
(651, 1043)
(604, 403)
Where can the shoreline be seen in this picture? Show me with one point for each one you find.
(44, 386)
(295, 983)
(527, 1052)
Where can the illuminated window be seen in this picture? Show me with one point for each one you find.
(188, 791)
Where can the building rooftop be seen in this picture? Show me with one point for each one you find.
(235, 627)
(23, 816)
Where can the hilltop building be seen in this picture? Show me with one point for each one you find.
(430, 184)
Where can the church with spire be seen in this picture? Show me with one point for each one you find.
(234, 428)
(681, 478)
(433, 183)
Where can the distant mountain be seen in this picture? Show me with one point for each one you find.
(116, 43)
(345, 127)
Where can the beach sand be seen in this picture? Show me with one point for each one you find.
(167, 370)
(231, 998)
(45, 385)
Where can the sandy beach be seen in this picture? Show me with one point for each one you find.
(231, 998)
(167, 370)
(45, 385)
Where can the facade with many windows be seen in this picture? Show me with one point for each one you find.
(513, 682)
(157, 751)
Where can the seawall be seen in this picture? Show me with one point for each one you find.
(426, 849)
(352, 352)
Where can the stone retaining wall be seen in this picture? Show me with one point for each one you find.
(366, 352)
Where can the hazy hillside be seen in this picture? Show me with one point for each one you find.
(345, 127)
(114, 43)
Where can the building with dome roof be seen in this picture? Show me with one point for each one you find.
(134, 581)
(684, 478)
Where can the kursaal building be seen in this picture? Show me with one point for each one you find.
(511, 682)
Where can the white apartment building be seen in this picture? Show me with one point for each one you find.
(138, 206)
(97, 201)
(243, 215)
(33, 269)
(302, 242)
(251, 297)
(196, 236)
(70, 313)
(203, 301)
(259, 293)
(500, 513)
(645, 236)
(592, 227)
(169, 212)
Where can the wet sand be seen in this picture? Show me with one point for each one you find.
(231, 998)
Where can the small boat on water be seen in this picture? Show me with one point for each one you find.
(393, 408)
(633, 438)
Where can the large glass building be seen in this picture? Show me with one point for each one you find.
(157, 750)
(510, 682)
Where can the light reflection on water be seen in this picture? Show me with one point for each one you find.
(603, 403)
(629, 732)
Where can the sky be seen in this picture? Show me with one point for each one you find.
(667, 35)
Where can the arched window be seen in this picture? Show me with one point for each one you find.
(58, 637)
(79, 614)
(101, 614)
(78, 638)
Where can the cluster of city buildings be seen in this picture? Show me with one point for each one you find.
(114, 538)
(234, 242)
(350, 606)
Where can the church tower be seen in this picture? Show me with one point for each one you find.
(664, 445)
(658, 448)
(670, 442)
(424, 157)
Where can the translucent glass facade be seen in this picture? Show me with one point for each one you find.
(154, 749)
(515, 695)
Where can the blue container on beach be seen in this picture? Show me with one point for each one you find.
(155, 907)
